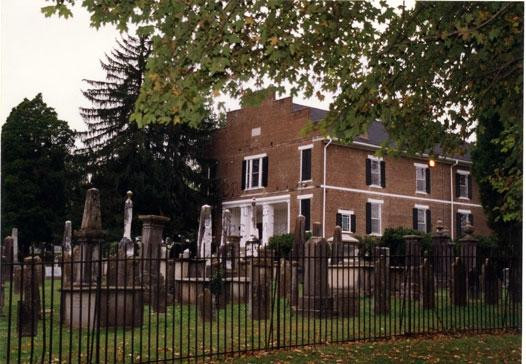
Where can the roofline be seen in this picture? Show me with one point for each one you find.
(369, 146)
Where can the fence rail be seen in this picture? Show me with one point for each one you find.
(132, 309)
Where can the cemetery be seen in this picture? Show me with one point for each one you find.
(140, 303)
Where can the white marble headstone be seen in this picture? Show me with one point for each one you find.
(204, 236)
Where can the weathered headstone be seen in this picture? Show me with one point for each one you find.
(491, 283)
(205, 305)
(260, 285)
(67, 258)
(29, 306)
(413, 252)
(298, 248)
(381, 294)
(294, 285)
(27, 321)
(441, 254)
(468, 255)
(458, 288)
(428, 285)
(337, 246)
(14, 236)
(226, 225)
(204, 234)
(316, 299)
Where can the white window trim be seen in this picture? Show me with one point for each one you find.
(373, 157)
(248, 175)
(379, 203)
(463, 171)
(346, 212)
(301, 149)
(462, 211)
(378, 159)
(305, 197)
(307, 146)
(425, 207)
(421, 165)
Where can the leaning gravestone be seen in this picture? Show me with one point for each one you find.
(316, 300)
(381, 294)
(205, 305)
(491, 283)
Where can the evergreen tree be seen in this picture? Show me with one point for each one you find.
(162, 164)
(35, 150)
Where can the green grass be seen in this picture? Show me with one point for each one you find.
(502, 348)
(180, 333)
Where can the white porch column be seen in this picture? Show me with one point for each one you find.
(245, 222)
(268, 223)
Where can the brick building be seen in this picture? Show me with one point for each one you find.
(263, 154)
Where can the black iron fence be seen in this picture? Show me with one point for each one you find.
(129, 309)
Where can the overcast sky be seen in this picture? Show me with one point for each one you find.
(52, 56)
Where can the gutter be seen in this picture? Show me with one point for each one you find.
(451, 197)
(324, 183)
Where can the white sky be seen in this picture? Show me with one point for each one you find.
(53, 55)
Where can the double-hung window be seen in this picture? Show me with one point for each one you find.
(305, 162)
(463, 184)
(422, 218)
(423, 180)
(254, 173)
(346, 220)
(374, 172)
(373, 212)
(463, 217)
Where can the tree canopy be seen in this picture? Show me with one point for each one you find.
(164, 165)
(428, 73)
(35, 151)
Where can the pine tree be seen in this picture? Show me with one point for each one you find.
(162, 164)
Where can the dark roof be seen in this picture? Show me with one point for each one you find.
(376, 134)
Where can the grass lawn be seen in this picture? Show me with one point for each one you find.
(180, 332)
(495, 348)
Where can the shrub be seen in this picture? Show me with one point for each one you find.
(366, 245)
(281, 244)
(393, 238)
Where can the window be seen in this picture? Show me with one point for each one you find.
(373, 212)
(306, 158)
(346, 220)
(422, 218)
(305, 211)
(463, 184)
(254, 173)
(423, 180)
(374, 172)
(463, 216)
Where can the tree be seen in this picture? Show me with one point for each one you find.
(163, 165)
(428, 73)
(35, 148)
(487, 158)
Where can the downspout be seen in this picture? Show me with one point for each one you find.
(325, 183)
(451, 198)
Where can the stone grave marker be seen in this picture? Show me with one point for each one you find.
(205, 305)
(260, 285)
(381, 294)
(458, 286)
(428, 285)
(491, 283)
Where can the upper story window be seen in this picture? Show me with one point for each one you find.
(374, 172)
(423, 178)
(373, 212)
(346, 220)
(463, 184)
(422, 218)
(254, 172)
(463, 217)
(305, 162)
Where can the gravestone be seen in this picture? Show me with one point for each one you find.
(260, 285)
(298, 248)
(337, 246)
(285, 278)
(226, 225)
(204, 234)
(491, 283)
(442, 255)
(381, 294)
(468, 255)
(413, 251)
(294, 285)
(458, 285)
(67, 255)
(205, 305)
(27, 321)
(316, 300)
(29, 307)
(428, 285)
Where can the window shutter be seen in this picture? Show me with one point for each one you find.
(415, 219)
(368, 172)
(339, 220)
(457, 185)
(264, 179)
(353, 223)
(428, 221)
(471, 221)
(382, 173)
(368, 218)
(428, 180)
(243, 175)
(469, 186)
(306, 156)
(459, 225)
